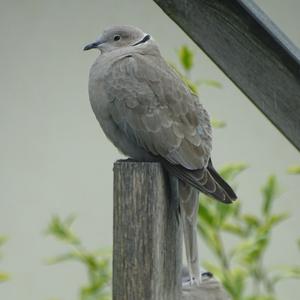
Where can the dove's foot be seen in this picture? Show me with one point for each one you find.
(192, 281)
(206, 275)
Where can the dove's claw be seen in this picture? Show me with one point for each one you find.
(192, 282)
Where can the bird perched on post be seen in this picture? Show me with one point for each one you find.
(148, 113)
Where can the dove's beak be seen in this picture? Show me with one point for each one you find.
(93, 45)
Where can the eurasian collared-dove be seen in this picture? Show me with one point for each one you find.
(149, 113)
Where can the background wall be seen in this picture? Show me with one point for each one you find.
(55, 159)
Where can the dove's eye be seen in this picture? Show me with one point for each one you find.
(116, 37)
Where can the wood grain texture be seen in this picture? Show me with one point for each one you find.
(250, 50)
(147, 238)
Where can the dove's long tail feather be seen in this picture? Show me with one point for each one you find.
(231, 194)
(189, 204)
(206, 180)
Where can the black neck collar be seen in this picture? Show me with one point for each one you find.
(144, 40)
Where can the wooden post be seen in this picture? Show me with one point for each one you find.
(147, 249)
(147, 239)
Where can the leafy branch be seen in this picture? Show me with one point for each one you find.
(243, 264)
(294, 169)
(97, 263)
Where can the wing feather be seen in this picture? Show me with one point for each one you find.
(152, 106)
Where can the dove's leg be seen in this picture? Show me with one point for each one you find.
(189, 203)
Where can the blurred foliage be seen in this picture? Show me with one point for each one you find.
(97, 263)
(294, 170)
(217, 123)
(243, 264)
(3, 275)
(186, 57)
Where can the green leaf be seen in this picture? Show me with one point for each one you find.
(3, 276)
(234, 229)
(276, 219)
(3, 240)
(294, 170)
(269, 191)
(192, 86)
(294, 272)
(217, 123)
(271, 221)
(211, 238)
(239, 277)
(206, 214)
(209, 82)
(286, 272)
(97, 263)
(223, 212)
(61, 229)
(64, 257)
(186, 57)
(250, 251)
(233, 280)
(251, 220)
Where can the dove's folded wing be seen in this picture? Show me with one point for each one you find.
(154, 108)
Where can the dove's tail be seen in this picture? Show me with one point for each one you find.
(207, 181)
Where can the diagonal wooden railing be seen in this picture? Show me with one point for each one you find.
(251, 51)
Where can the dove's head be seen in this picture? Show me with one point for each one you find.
(116, 37)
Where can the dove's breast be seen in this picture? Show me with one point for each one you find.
(102, 107)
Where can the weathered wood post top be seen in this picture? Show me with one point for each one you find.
(147, 238)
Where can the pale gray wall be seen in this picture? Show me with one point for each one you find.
(55, 159)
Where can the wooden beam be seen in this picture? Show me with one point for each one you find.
(250, 50)
(147, 238)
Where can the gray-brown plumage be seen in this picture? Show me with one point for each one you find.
(149, 113)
